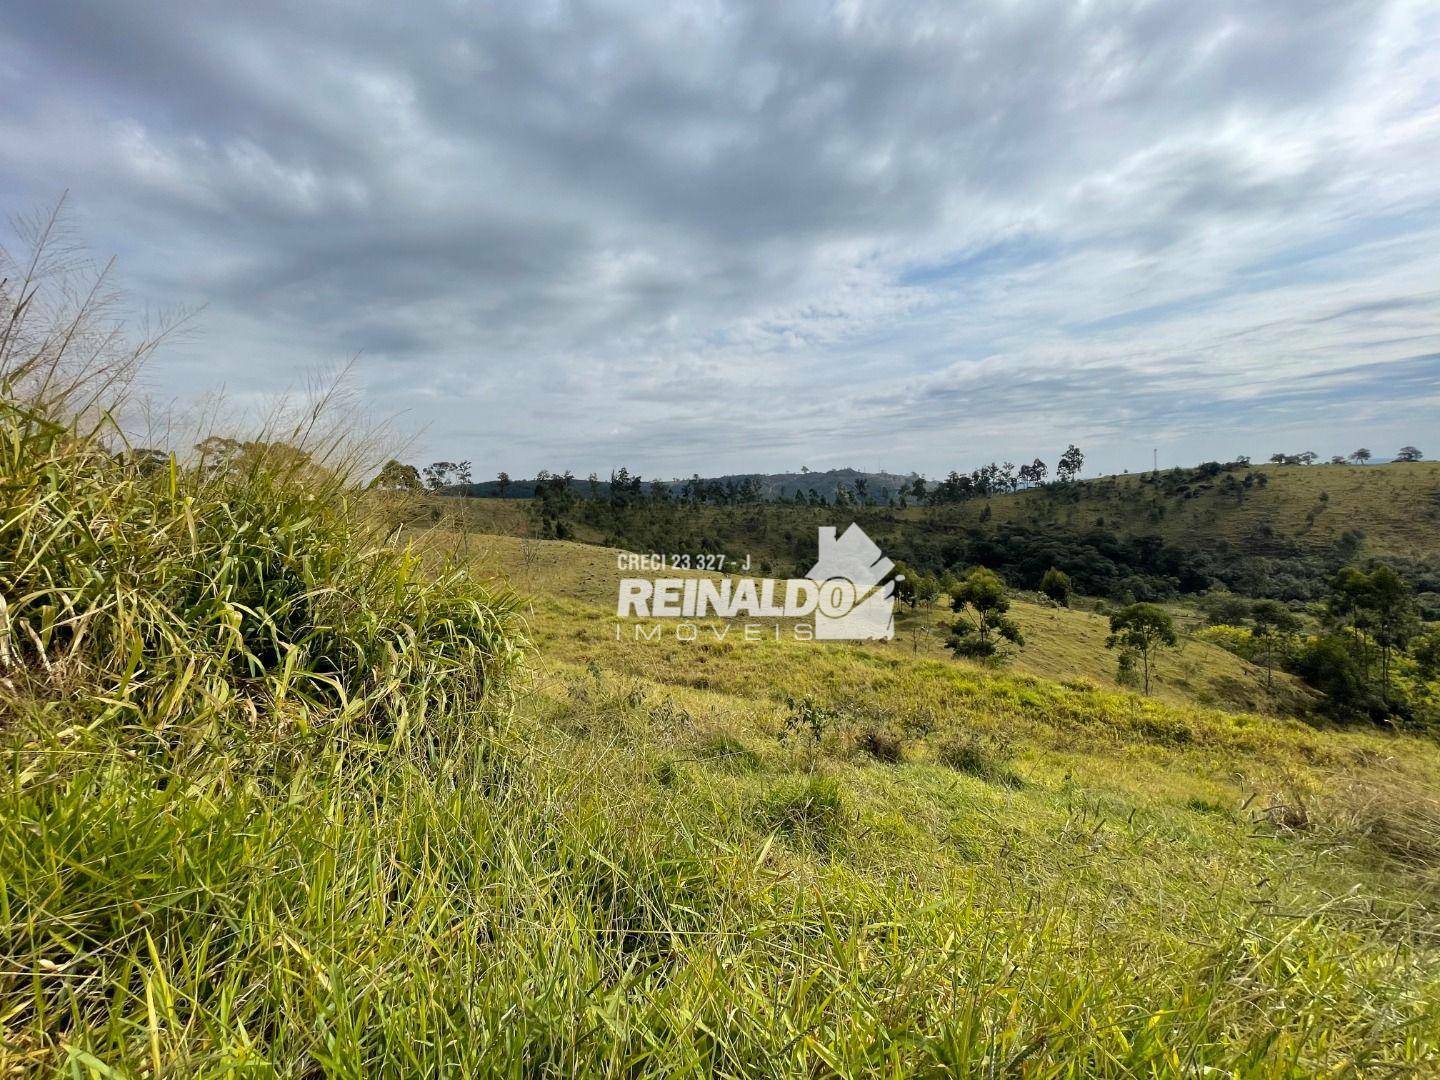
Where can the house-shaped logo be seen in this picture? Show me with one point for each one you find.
(852, 568)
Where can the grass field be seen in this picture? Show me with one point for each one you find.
(575, 586)
(626, 860)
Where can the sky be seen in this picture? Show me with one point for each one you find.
(726, 237)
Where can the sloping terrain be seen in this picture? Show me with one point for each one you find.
(1395, 506)
(1060, 643)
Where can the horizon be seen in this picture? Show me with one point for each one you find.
(604, 477)
(738, 234)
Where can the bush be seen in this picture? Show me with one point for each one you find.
(1328, 664)
(979, 754)
(1233, 639)
(212, 595)
(1056, 585)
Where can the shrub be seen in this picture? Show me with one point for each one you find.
(1233, 639)
(979, 754)
(1056, 585)
(203, 595)
(812, 812)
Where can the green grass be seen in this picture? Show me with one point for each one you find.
(215, 599)
(618, 866)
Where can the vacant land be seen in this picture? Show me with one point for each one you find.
(573, 587)
(296, 800)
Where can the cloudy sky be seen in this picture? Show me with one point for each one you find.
(722, 236)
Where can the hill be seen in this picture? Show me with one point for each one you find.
(825, 483)
(1279, 533)
(1061, 644)
(1394, 507)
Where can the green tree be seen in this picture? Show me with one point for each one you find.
(906, 580)
(1056, 585)
(1142, 630)
(502, 483)
(1425, 651)
(1378, 614)
(1071, 462)
(437, 474)
(1408, 453)
(1273, 625)
(1328, 663)
(395, 476)
(981, 601)
(1361, 456)
(1393, 616)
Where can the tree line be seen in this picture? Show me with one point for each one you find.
(1357, 457)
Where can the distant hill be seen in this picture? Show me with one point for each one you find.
(879, 485)
(1394, 508)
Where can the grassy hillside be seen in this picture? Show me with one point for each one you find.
(1280, 533)
(1060, 643)
(1396, 506)
(278, 801)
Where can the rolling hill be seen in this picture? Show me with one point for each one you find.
(1395, 506)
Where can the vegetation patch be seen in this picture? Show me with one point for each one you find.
(811, 812)
(981, 754)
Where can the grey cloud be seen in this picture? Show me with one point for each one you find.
(700, 236)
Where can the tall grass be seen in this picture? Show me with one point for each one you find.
(240, 591)
(198, 597)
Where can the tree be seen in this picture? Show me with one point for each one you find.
(1361, 456)
(395, 476)
(1337, 459)
(907, 585)
(1273, 625)
(502, 483)
(437, 474)
(1376, 611)
(1425, 651)
(219, 454)
(1328, 664)
(1394, 618)
(980, 599)
(1071, 462)
(1142, 630)
(1408, 453)
(1056, 585)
